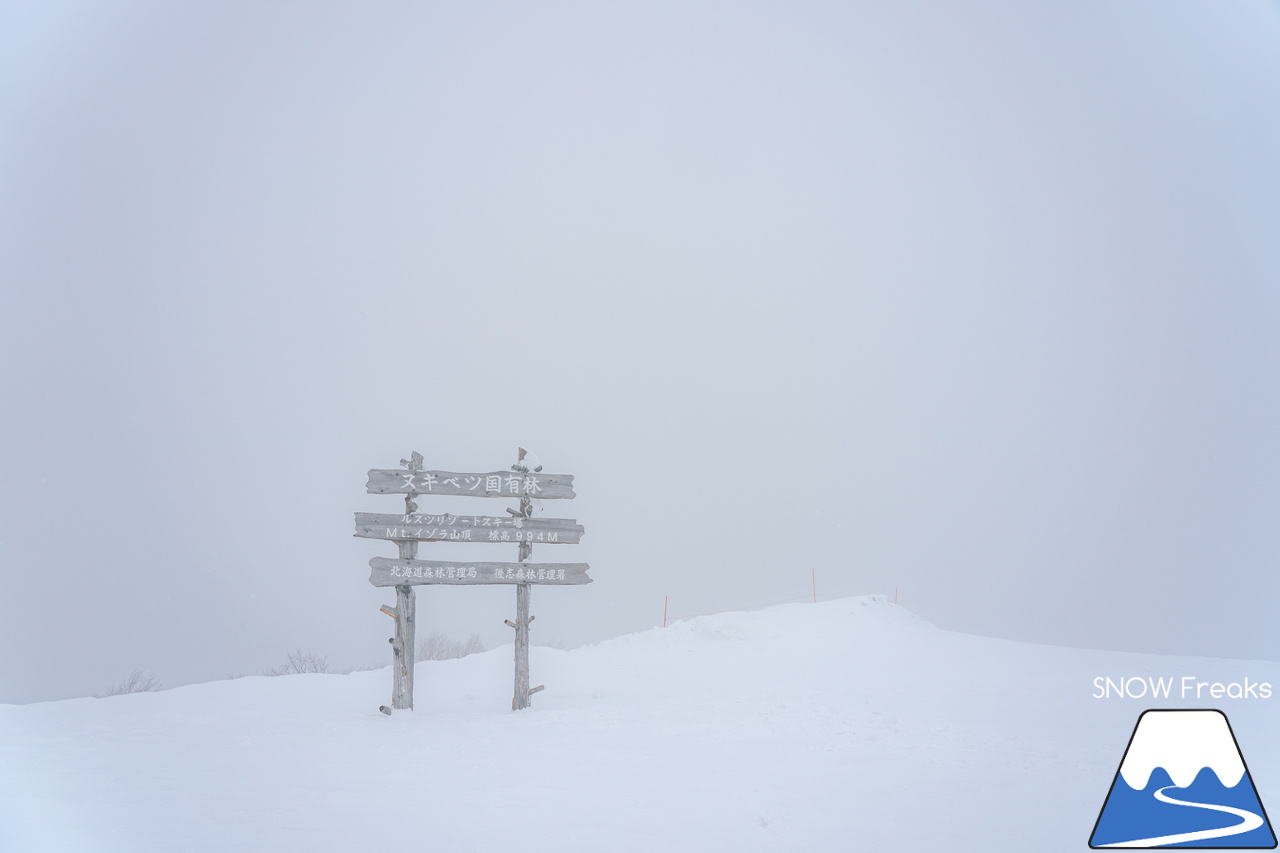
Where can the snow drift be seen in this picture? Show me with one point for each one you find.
(848, 725)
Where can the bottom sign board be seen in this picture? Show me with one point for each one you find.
(389, 572)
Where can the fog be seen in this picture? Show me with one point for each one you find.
(972, 302)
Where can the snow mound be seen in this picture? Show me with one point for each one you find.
(847, 725)
(794, 623)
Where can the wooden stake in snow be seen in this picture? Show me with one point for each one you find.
(521, 698)
(407, 571)
(402, 644)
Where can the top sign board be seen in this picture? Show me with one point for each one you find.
(495, 484)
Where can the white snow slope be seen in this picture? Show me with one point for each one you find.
(849, 725)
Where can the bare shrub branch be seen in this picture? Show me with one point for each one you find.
(299, 662)
(438, 646)
(137, 681)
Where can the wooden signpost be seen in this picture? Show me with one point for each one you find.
(519, 528)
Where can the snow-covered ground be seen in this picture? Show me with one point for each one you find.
(848, 725)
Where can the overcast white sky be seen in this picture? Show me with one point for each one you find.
(977, 301)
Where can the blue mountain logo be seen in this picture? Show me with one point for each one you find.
(1183, 783)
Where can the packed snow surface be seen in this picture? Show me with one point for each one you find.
(848, 725)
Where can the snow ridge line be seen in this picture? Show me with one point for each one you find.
(744, 609)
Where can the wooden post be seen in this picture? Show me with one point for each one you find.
(521, 698)
(402, 644)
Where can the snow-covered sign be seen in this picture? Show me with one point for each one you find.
(468, 528)
(526, 482)
(414, 572)
(492, 484)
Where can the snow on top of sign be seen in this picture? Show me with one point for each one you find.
(529, 461)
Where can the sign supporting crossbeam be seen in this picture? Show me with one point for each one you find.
(525, 481)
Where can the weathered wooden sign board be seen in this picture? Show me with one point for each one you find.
(468, 528)
(519, 528)
(494, 484)
(416, 572)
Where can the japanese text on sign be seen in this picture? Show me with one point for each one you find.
(423, 482)
(518, 573)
